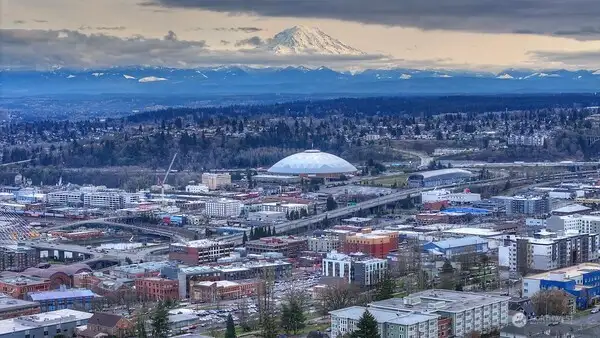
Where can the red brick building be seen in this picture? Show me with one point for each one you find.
(376, 243)
(223, 290)
(288, 246)
(11, 308)
(155, 288)
(19, 286)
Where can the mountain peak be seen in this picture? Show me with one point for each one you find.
(308, 40)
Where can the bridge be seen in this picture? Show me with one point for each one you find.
(174, 233)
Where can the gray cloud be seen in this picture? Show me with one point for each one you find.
(225, 42)
(584, 59)
(239, 29)
(102, 28)
(41, 21)
(540, 16)
(254, 41)
(43, 49)
(19, 22)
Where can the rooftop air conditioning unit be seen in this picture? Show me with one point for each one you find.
(412, 300)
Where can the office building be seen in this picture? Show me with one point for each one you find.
(324, 243)
(547, 251)
(577, 223)
(458, 246)
(216, 181)
(430, 313)
(200, 251)
(288, 246)
(523, 205)
(18, 257)
(581, 281)
(376, 243)
(223, 207)
(47, 325)
(156, 289)
(196, 188)
(356, 269)
(11, 307)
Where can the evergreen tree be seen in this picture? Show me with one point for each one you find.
(292, 317)
(385, 288)
(331, 203)
(274, 233)
(447, 277)
(245, 238)
(140, 327)
(366, 327)
(230, 330)
(252, 235)
(269, 232)
(160, 322)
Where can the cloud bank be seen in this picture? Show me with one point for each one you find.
(578, 18)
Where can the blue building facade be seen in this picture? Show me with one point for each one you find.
(585, 288)
(79, 299)
(458, 246)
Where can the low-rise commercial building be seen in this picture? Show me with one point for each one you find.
(200, 251)
(431, 313)
(458, 246)
(582, 281)
(11, 307)
(223, 290)
(139, 270)
(288, 246)
(48, 325)
(18, 286)
(376, 243)
(196, 188)
(157, 289)
(324, 243)
(63, 299)
(267, 216)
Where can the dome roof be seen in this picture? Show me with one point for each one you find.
(312, 162)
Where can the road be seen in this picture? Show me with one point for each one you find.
(425, 159)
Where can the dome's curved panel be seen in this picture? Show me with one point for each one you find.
(312, 162)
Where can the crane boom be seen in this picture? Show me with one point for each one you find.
(169, 170)
(18, 162)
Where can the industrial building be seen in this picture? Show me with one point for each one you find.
(313, 163)
(200, 251)
(582, 281)
(438, 177)
(430, 313)
(458, 246)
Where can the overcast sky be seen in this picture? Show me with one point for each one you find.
(466, 34)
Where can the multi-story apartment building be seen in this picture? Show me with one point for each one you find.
(582, 281)
(357, 269)
(323, 243)
(49, 325)
(216, 181)
(377, 243)
(74, 198)
(200, 251)
(430, 313)
(17, 257)
(96, 197)
(103, 199)
(223, 207)
(283, 207)
(523, 205)
(157, 289)
(287, 245)
(547, 251)
(579, 223)
(526, 140)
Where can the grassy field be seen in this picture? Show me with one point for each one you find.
(388, 181)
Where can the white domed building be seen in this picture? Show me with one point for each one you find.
(313, 163)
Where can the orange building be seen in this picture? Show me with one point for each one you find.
(156, 288)
(19, 286)
(375, 243)
(223, 290)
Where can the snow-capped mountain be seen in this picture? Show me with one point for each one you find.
(307, 40)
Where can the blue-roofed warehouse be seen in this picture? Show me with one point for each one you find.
(458, 246)
(440, 177)
(63, 299)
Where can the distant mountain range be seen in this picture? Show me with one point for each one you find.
(301, 40)
(238, 80)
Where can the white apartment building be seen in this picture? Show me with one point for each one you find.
(337, 264)
(423, 314)
(65, 198)
(103, 199)
(580, 223)
(196, 188)
(547, 251)
(283, 207)
(323, 243)
(523, 140)
(438, 195)
(223, 207)
(359, 270)
(216, 181)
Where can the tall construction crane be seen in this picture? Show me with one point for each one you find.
(18, 162)
(162, 184)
